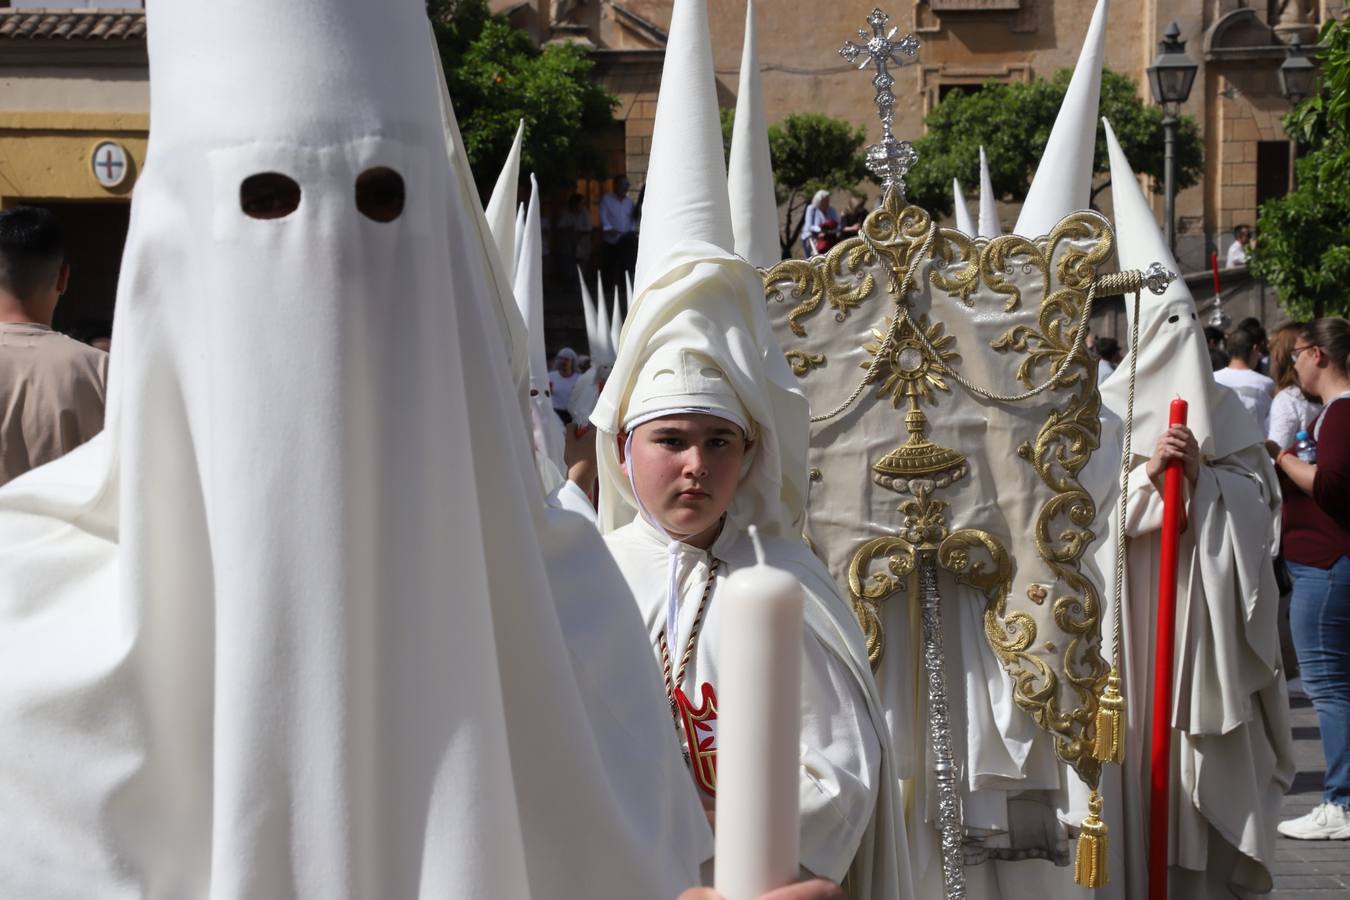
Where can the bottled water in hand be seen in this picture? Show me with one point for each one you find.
(1305, 448)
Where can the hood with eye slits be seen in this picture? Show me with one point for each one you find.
(1172, 358)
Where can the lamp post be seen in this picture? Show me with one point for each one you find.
(1298, 75)
(1170, 79)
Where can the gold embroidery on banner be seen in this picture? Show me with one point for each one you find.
(911, 372)
(956, 247)
(802, 362)
(1060, 272)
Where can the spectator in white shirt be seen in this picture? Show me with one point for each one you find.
(1253, 389)
(1241, 248)
(1291, 411)
(618, 235)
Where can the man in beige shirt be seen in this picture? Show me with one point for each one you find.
(51, 387)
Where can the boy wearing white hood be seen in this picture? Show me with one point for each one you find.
(703, 432)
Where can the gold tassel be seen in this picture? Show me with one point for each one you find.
(1090, 863)
(1109, 742)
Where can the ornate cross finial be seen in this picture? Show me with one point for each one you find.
(890, 160)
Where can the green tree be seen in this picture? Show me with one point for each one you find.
(497, 77)
(1013, 123)
(812, 152)
(728, 117)
(1303, 243)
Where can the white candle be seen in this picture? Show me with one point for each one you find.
(759, 723)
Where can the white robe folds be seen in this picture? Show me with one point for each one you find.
(852, 821)
(1231, 755)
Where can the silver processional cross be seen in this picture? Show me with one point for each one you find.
(890, 159)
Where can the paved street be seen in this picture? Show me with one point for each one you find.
(1309, 870)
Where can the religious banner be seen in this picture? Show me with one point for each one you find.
(955, 415)
(954, 408)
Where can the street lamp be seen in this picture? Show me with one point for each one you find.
(1170, 78)
(1297, 75)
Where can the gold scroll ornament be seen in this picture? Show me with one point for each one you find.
(921, 362)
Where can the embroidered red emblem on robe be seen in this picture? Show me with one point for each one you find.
(700, 736)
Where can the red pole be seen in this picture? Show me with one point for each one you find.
(1160, 760)
(1214, 264)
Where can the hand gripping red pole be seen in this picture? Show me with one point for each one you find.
(1160, 760)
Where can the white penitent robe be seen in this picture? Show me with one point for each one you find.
(623, 698)
(284, 628)
(1231, 752)
(850, 817)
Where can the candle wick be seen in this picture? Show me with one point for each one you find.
(759, 547)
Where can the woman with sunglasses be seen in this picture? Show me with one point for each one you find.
(1316, 522)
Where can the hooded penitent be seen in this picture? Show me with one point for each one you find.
(697, 339)
(1063, 182)
(249, 635)
(1231, 753)
(754, 208)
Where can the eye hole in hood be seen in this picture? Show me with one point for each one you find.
(380, 194)
(269, 195)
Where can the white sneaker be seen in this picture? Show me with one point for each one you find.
(1326, 822)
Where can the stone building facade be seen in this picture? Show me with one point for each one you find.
(74, 91)
(1236, 99)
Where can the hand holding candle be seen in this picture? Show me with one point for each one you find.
(759, 730)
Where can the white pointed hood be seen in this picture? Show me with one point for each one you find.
(989, 227)
(754, 209)
(963, 223)
(501, 206)
(588, 312)
(282, 601)
(529, 287)
(519, 232)
(1063, 182)
(548, 438)
(686, 192)
(1173, 359)
(500, 271)
(587, 389)
(616, 324)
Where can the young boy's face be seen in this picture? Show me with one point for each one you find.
(686, 469)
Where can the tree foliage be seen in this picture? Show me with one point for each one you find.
(1013, 121)
(497, 77)
(812, 152)
(1303, 241)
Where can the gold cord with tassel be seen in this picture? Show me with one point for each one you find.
(1108, 743)
(1090, 862)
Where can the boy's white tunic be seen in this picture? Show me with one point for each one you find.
(841, 751)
